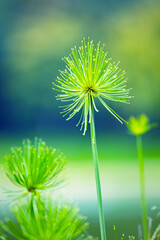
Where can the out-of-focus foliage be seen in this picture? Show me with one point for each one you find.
(134, 37)
(156, 234)
(140, 125)
(123, 236)
(45, 220)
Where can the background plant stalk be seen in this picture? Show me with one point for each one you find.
(97, 175)
(142, 186)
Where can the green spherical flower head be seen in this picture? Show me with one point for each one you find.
(140, 125)
(45, 220)
(90, 75)
(34, 167)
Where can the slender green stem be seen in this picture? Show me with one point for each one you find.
(97, 176)
(142, 187)
(156, 232)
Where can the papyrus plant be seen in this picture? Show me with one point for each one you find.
(34, 168)
(139, 126)
(45, 219)
(90, 76)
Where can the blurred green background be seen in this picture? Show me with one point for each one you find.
(34, 36)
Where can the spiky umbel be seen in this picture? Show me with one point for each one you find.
(140, 125)
(45, 220)
(90, 75)
(34, 167)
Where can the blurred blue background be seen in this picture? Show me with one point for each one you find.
(34, 36)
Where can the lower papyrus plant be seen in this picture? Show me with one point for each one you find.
(49, 220)
(36, 170)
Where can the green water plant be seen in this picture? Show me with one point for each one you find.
(156, 234)
(139, 126)
(123, 236)
(34, 167)
(90, 76)
(48, 220)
